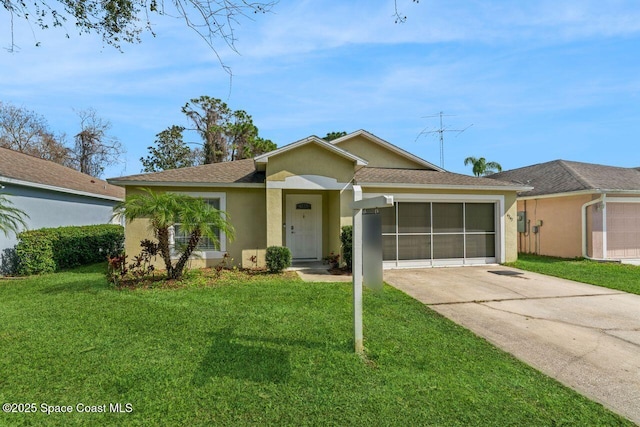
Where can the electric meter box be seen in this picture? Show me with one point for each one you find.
(522, 221)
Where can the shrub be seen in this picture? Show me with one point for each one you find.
(346, 238)
(35, 253)
(50, 249)
(277, 258)
(141, 267)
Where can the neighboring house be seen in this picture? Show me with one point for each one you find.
(300, 196)
(578, 209)
(53, 195)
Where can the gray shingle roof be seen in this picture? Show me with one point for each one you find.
(236, 172)
(562, 176)
(23, 167)
(244, 171)
(369, 175)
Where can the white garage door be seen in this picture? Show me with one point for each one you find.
(623, 230)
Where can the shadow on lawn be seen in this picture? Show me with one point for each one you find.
(91, 285)
(253, 361)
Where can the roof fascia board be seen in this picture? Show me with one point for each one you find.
(57, 189)
(621, 191)
(623, 200)
(389, 146)
(578, 193)
(444, 186)
(563, 194)
(186, 184)
(264, 158)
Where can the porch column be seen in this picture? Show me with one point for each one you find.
(274, 217)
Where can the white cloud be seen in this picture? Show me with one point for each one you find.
(311, 26)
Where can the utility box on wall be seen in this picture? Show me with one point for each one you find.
(522, 221)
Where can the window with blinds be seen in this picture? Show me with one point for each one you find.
(181, 238)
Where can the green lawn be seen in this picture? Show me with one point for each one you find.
(259, 350)
(607, 274)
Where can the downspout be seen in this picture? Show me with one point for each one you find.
(604, 227)
(584, 225)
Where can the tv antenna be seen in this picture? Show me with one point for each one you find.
(441, 132)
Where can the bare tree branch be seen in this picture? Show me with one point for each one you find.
(94, 148)
(399, 17)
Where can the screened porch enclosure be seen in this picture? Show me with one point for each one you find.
(439, 233)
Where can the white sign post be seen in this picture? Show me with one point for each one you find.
(358, 205)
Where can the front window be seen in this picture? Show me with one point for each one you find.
(206, 246)
(205, 243)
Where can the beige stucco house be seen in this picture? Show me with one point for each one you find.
(301, 194)
(578, 210)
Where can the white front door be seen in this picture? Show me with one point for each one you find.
(304, 226)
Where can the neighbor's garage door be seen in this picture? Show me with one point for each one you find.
(623, 230)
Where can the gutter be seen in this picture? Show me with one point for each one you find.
(124, 183)
(601, 199)
(579, 193)
(465, 187)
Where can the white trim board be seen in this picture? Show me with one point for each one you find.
(141, 184)
(309, 182)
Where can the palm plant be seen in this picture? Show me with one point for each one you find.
(12, 219)
(481, 167)
(163, 210)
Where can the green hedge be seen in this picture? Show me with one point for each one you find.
(51, 249)
(278, 258)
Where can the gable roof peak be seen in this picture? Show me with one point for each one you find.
(377, 140)
(262, 159)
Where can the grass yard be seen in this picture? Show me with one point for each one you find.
(258, 350)
(622, 277)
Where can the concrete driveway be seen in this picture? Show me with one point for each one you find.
(585, 336)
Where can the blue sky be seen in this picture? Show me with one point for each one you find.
(538, 82)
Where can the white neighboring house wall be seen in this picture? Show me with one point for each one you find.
(50, 208)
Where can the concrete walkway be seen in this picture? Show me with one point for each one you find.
(316, 271)
(585, 336)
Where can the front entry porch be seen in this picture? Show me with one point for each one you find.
(307, 222)
(303, 226)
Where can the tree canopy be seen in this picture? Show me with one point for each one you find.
(121, 22)
(226, 134)
(170, 152)
(330, 136)
(481, 167)
(28, 132)
(94, 147)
